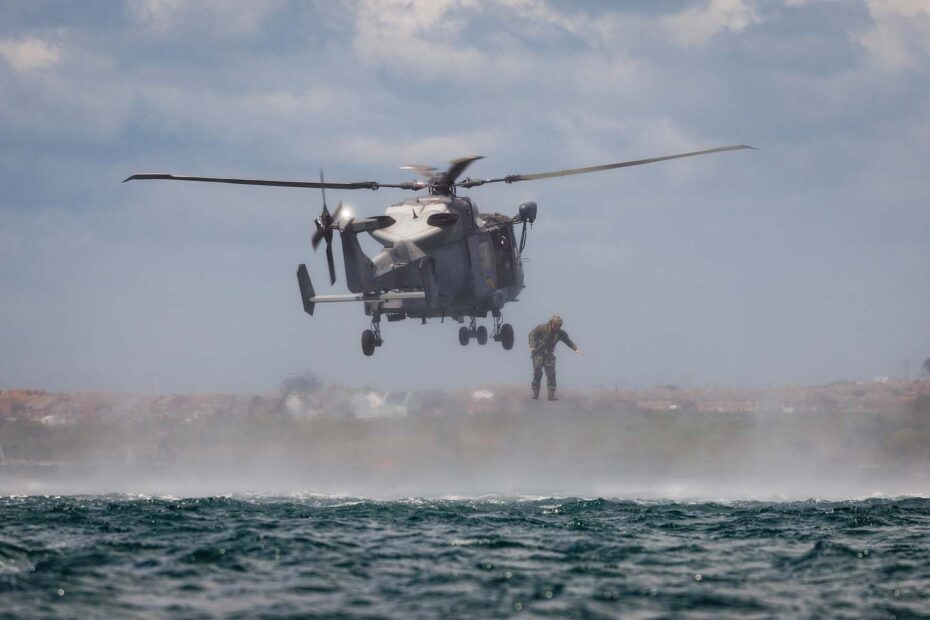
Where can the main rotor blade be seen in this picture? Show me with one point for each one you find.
(513, 178)
(309, 184)
(458, 167)
(424, 171)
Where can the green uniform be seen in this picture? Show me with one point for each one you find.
(542, 348)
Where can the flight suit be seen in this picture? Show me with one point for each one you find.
(542, 348)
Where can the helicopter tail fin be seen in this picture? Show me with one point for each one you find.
(306, 289)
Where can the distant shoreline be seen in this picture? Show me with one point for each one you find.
(884, 394)
(839, 440)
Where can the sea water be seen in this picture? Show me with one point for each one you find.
(332, 556)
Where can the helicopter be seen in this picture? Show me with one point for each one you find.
(441, 257)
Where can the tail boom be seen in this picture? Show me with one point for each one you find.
(309, 297)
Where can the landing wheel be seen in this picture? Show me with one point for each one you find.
(482, 335)
(463, 336)
(507, 336)
(369, 342)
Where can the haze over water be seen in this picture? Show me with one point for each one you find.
(450, 506)
(838, 442)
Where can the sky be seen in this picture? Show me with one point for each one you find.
(804, 262)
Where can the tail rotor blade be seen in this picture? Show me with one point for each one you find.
(322, 222)
(330, 262)
(323, 188)
(324, 231)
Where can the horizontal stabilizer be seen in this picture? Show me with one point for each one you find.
(310, 299)
(322, 299)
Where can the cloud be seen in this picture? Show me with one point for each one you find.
(900, 35)
(81, 98)
(907, 8)
(29, 54)
(158, 11)
(222, 19)
(697, 25)
(418, 36)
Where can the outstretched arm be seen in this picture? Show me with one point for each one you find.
(568, 341)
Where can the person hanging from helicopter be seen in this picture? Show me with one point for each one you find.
(543, 339)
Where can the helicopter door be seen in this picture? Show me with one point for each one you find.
(504, 256)
(483, 268)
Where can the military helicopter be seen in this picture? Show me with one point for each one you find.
(441, 256)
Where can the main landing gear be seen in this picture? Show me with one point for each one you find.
(371, 338)
(503, 332)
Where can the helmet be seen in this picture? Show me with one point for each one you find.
(555, 321)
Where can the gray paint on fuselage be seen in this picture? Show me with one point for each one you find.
(411, 239)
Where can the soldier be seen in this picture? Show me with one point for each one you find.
(542, 344)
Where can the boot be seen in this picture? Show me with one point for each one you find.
(552, 394)
(535, 392)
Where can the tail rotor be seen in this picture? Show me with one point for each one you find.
(324, 232)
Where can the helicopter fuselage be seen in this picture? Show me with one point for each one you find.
(467, 263)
